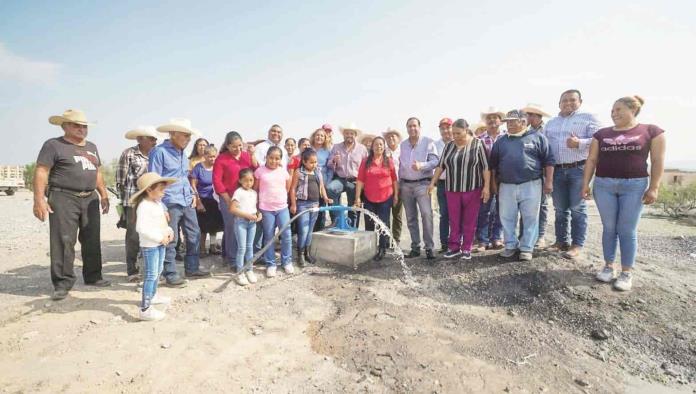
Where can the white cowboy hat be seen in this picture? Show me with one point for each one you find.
(148, 179)
(142, 131)
(392, 131)
(532, 108)
(351, 127)
(181, 125)
(492, 111)
(70, 116)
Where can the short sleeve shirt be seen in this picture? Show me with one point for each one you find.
(247, 200)
(273, 196)
(71, 166)
(204, 176)
(624, 154)
(378, 179)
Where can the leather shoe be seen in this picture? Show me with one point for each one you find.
(100, 283)
(197, 274)
(176, 282)
(413, 253)
(59, 294)
(429, 254)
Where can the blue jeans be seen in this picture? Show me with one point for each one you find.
(489, 226)
(334, 189)
(619, 202)
(184, 217)
(569, 205)
(271, 221)
(244, 232)
(543, 214)
(153, 264)
(230, 244)
(520, 200)
(444, 213)
(305, 223)
(382, 210)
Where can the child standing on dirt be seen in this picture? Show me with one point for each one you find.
(272, 184)
(306, 188)
(243, 207)
(155, 234)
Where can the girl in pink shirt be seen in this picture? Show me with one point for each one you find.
(272, 184)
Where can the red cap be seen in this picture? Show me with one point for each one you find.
(446, 121)
(327, 127)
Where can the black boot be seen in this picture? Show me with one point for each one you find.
(301, 258)
(308, 257)
(380, 254)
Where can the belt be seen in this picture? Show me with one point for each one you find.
(571, 165)
(347, 179)
(76, 193)
(415, 180)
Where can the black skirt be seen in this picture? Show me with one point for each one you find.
(210, 221)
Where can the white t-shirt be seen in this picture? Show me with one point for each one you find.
(262, 149)
(247, 200)
(151, 223)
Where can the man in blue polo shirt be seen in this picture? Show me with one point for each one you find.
(168, 160)
(518, 162)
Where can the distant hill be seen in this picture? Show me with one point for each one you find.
(684, 165)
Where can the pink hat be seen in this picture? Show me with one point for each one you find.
(446, 121)
(327, 127)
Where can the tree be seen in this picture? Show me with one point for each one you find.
(677, 201)
(29, 176)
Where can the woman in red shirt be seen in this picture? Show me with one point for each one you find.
(377, 183)
(232, 159)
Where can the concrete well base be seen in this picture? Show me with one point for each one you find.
(350, 249)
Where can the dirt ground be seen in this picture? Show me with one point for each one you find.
(485, 326)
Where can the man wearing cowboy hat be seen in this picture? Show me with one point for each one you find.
(445, 127)
(344, 161)
(570, 134)
(490, 229)
(275, 137)
(168, 160)
(393, 138)
(535, 119)
(70, 168)
(518, 162)
(417, 160)
(132, 164)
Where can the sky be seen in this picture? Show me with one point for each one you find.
(246, 65)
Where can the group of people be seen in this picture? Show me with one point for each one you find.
(492, 188)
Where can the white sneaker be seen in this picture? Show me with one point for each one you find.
(289, 269)
(624, 282)
(151, 314)
(271, 271)
(242, 279)
(160, 299)
(251, 276)
(606, 275)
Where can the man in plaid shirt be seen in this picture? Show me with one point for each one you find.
(132, 164)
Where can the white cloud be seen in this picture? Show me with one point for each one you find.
(17, 68)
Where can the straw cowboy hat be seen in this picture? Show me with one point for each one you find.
(70, 116)
(492, 111)
(392, 131)
(367, 138)
(148, 179)
(181, 125)
(532, 108)
(351, 127)
(142, 131)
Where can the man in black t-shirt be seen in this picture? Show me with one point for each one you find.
(68, 172)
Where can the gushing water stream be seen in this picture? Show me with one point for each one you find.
(380, 228)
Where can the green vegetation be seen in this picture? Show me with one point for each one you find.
(677, 201)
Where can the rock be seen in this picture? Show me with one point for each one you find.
(374, 371)
(118, 373)
(94, 321)
(361, 379)
(669, 370)
(656, 339)
(166, 345)
(599, 334)
(582, 382)
(47, 305)
(512, 313)
(256, 331)
(642, 301)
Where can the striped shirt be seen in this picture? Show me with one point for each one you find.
(464, 167)
(581, 124)
(488, 141)
(131, 166)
